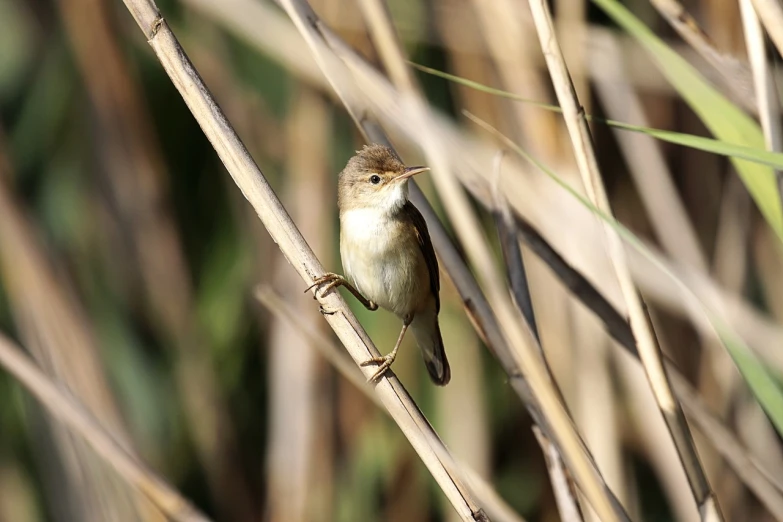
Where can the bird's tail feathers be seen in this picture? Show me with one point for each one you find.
(427, 332)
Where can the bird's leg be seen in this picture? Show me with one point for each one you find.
(386, 361)
(331, 280)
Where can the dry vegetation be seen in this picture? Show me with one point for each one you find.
(610, 262)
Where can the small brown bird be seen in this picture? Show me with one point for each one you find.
(387, 253)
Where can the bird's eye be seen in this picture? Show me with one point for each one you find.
(375, 179)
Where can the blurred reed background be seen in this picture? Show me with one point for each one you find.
(137, 277)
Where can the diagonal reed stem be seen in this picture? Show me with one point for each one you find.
(647, 344)
(64, 407)
(516, 331)
(258, 192)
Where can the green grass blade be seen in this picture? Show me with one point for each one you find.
(722, 148)
(725, 120)
(759, 379)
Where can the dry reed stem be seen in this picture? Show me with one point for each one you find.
(260, 22)
(766, 95)
(767, 488)
(759, 332)
(747, 317)
(294, 389)
(73, 414)
(133, 164)
(770, 12)
(725, 442)
(525, 346)
(659, 196)
(512, 253)
(734, 73)
(55, 327)
(269, 30)
(567, 504)
(513, 53)
(647, 164)
(647, 345)
(573, 279)
(254, 186)
(280, 39)
(495, 506)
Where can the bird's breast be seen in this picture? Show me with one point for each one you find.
(382, 257)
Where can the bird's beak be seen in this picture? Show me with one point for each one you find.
(410, 171)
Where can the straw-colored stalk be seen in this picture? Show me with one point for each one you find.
(770, 12)
(649, 350)
(568, 231)
(133, 164)
(734, 73)
(764, 485)
(50, 320)
(494, 505)
(510, 49)
(256, 189)
(469, 231)
(567, 504)
(73, 414)
(294, 440)
(766, 94)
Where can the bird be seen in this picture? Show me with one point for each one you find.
(387, 254)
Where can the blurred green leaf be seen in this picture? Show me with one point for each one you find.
(722, 118)
(723, 148)
(760, 380)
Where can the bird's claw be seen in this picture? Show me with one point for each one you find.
(329, 279)
(384, 363)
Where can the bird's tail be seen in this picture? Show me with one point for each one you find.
(427, 333)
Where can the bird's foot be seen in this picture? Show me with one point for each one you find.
(384, 363)
(326, 283)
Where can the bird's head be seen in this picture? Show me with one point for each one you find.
(375, 178)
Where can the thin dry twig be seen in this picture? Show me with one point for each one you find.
(55, 327)
(255, 188)
(580, 285)
(647, 344)
(73, 414)
(766, 96)
(495, 506)
(512, 254)
(735, 73)
(770, 12)
(520, 338)
(134, 167)
(764, 485)
(567, 504)
(272, 33)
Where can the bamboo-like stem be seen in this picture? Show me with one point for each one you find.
(765, 486)
(520, 338)
(649, 351)
(567, 504)
(255, 188)
(52, 323)
(770, 12)
(73, 414)
(647, 163)
(267, 29)
(495, 506)
(134, 167)
(766, 97)
(734, 73)
(508, 234)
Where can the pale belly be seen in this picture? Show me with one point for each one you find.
(383, 263)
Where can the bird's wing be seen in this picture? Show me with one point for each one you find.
(423, 235)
